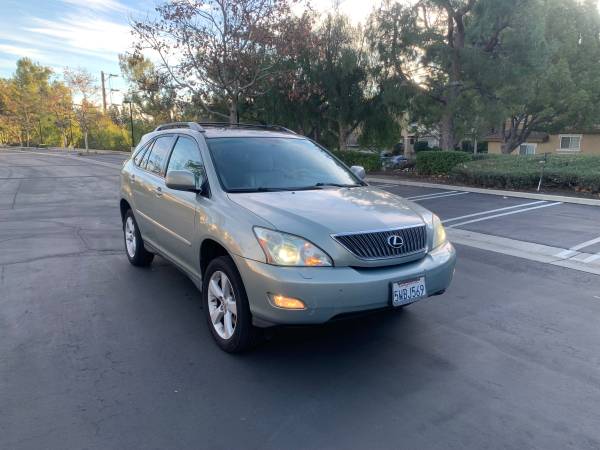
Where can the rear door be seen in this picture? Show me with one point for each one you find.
(176, 211)
(149, 185)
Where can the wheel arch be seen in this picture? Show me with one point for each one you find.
(209, 250)
(124, 207)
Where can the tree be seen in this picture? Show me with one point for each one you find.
(60, 104)
(436, 47)
(30, 87)
(557, 87)
(151, 92)
(83, 84)
(219, 48)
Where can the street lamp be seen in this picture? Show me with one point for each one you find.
(131, 121)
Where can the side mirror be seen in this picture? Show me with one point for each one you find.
(359, 171)
(182, 180)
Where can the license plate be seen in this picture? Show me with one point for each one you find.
(405, 292)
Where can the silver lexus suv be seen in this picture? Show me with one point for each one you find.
(274, 229)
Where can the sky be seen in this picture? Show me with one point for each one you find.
(91, 33)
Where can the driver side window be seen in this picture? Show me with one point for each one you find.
(186, 156)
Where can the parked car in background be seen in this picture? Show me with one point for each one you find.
(274, 229)
(391, 161)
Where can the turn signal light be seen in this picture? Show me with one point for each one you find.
(281, 301)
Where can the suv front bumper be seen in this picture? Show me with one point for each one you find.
(331, 291)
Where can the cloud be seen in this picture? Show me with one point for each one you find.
(92, 36)
(20, 51)
(98, 5)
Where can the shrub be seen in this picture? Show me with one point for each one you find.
(439, 163)
(370, 161)
(421, 146)
(581, 172)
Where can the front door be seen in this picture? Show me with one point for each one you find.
(177, 210)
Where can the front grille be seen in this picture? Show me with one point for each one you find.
(374, 245)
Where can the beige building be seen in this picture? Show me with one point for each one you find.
(563, 143)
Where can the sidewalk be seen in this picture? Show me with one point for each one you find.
(532, 195)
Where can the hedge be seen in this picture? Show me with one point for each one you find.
(579, 172)
(370, 161)
(438, 162)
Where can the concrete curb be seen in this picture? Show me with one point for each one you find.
(532, 195)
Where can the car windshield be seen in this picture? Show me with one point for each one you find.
(272, 164)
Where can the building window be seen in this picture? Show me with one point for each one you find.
(570, 142)
(527, 149)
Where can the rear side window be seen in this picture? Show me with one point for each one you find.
(159, 154)
(139, 156)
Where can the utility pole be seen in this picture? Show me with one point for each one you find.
(103, 91)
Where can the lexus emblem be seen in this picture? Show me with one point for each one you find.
(395, 241)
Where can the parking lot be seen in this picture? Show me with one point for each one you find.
(97, 354)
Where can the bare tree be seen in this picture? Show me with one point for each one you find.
(83, 85)
(220, 49)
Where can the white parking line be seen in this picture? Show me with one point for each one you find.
(493, 211)
(441, 196)
(573, 250)
(415, 197)
(546, 205)
(592, 258)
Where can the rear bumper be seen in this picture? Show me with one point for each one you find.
(332, 291)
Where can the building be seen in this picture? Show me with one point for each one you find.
(560, 143)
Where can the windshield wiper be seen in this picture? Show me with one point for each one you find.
(269, 189)
(337, 185)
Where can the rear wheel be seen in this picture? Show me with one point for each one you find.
(226, 306)
(134, 244)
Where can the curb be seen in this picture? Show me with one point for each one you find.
(532, 195)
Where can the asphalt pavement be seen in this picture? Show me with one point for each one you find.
(97, 354)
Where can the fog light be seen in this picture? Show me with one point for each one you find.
(281, 301)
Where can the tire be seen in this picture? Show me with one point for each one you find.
(226, 306)
(134, 244)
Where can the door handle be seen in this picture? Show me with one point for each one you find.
(158, 191)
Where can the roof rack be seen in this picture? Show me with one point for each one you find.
(173, 125)
(199, 126)
(246, 125)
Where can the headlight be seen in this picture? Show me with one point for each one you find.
(284, 249)
(439, 232)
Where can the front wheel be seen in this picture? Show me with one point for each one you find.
(226, 306)
(134, 245)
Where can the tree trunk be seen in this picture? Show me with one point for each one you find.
(507, 147)
(342, 136)
(85, 138)
(233, 111)
(447, 138)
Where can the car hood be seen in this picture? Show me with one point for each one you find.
(331, 210)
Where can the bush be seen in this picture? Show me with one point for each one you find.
(439, 163)
(370, 161)
(580, 172)
(421, 146)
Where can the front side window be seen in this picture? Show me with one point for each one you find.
(570, 143)
(263, 164)
(158, 155)
(186, 156)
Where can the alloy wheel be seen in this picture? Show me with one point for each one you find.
(221, 305)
